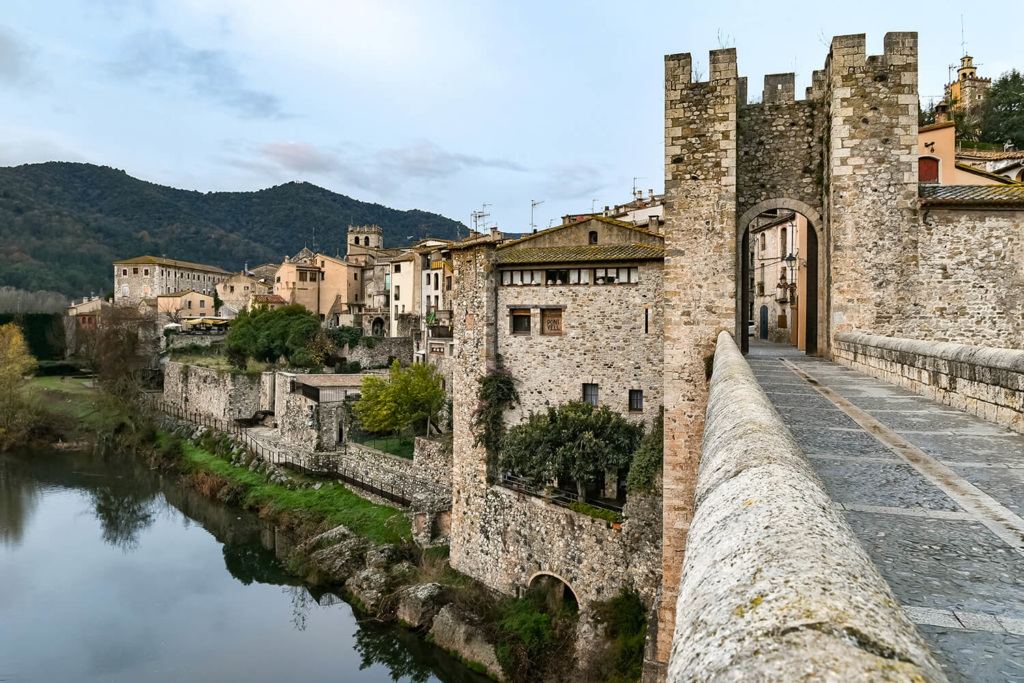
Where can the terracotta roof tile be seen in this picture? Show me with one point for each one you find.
(609, 221)
(998, 195)
(170, 262)
(612, 252)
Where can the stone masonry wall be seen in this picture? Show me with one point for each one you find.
(602, 342)
(179, 340)
(434, 459)
(217, 393)
(871, 181)
(986, 382)
(968, 286)
(775, 582)
(780, 153)
(384, 348)
(699, 287)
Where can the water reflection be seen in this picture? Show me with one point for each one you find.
(168, 585)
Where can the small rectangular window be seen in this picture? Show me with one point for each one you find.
(590, 394)
(521, 321)
(202, 304)
(557, 277)
(506, 277)
(551, 321)
(448, 282)
(145, 271)
(302, 276)
(398, 292)
(124, 271)
(647, 321)
(517, 277)
(636, 401)
(398, 267)
(135, 271)
(231, 288)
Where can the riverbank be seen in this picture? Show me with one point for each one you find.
(366, 550)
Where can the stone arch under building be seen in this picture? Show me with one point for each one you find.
(815, 260)
(557, 587)
(377, 327)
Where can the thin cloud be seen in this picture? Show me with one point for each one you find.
(155, 56)
(299, 157)
(572, 181)
(16, 60)
(427, 160)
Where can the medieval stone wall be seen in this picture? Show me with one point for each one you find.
(986, 382)
(871, 181)
(968, 285)
(383, 348)
(217, 393)
(699, 285)
(780, 153)
(433, 458)
(603, 342)
(176, 341)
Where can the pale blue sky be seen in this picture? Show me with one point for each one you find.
(434, 105)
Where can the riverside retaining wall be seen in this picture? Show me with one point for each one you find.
(983, 381)
(774, 581)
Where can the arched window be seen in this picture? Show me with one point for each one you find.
(782, 242)
(366, 241)
(593, 237)
(763, 242)
(927, 170)
(355, 240)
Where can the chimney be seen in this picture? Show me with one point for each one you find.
(654, 224)
(650, 193)
(941, 113)
(494, 233)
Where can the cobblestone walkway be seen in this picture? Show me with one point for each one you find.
(935, 496)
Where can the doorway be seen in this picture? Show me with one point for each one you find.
(764, 323)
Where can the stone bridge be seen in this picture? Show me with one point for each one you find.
(836, 511)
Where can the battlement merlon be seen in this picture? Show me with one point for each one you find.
(723, 64)
(779, 88)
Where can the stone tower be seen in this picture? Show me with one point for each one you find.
(370, 236)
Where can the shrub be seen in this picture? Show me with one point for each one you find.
(496, 393)
(648, 458)
(598, 513)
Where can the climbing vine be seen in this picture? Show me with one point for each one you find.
(646, 465)
(495, 394)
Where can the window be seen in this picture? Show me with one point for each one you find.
(557, 277)
(647, 321)
(231, 288)
(783, 243)
(355, 240)
(145, 271)
(437, 281)
(437, 301)
(763, 241)
(202, 304)
(278, 278)
(927, 170)
(188, 304)
(135, 271)
(579, 277)
(355, 276)
(448, 282)
(398, 267)
(636, 401)
(437, 349)
(611, 276)
(398, 292)
(302, 276)
(124, 272)
(366, 241)
(124, 291)
(593, 237)
(551, 321)
(590, 394)
(521, 321)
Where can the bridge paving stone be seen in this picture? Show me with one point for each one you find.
(966, 583)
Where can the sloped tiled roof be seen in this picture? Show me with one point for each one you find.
(936, 126)
(139, 260)
(268, 299)
(611, 252)
(602, 219)
(992, 195)
(181, 294)
(985, 174)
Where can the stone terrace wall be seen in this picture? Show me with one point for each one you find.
(519, 536)
(969, 284)
(176, 341)
(434, 459)
(774, 580)
(217, 393)
(983, 381)
(399, 347)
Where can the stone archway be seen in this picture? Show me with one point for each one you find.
(553, 580)
(815, 263)
(377, 327)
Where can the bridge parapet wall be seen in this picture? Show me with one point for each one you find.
(983, 381)
(774, 580)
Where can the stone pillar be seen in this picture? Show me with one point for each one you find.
(473, 319)
(699, 287)
(871, 183)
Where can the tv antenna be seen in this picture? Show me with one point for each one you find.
(963, 43)
(533, 205)
(636, 178)
(592, 202)
(479, 216)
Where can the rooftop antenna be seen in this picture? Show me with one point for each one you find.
(963, 43)
(636, 178)
(592, 202)
(533, 205)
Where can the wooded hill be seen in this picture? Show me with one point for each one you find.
(63, 224)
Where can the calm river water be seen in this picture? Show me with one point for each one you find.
(112, 572)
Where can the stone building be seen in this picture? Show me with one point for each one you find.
(968, 90)
(147, 277)
(238, 290)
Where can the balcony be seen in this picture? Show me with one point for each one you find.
(439, 332)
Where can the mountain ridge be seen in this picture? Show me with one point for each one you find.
(62, 224)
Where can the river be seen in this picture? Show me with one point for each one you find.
(112, 572)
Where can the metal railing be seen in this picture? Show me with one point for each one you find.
(556, 496)
(329, 465)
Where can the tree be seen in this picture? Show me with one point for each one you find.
(574, 440)
(409, 396)
(217, 302)
(15, 363)
(124, 346)
(266, 335)
(1002, 113)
